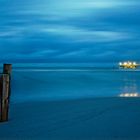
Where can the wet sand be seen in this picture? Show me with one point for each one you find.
(79, 119)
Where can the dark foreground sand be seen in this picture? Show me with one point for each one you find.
(81, 119)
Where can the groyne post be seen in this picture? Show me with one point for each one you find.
(5, 90)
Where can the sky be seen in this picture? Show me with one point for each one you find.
(77, 31)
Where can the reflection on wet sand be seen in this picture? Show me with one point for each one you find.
(129, 87)
(129, 95)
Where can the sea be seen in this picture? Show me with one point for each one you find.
(73, 102)
(55, 81)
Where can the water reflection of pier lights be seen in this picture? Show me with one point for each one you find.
(129, 95)
(130, 87)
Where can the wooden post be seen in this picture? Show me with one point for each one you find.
(1, 85)
(7, 68)
(5, 92)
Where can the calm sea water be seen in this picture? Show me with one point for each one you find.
(60, 84)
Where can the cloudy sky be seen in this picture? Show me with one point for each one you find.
(69, 30)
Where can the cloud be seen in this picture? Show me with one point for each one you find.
(100, 4)
(76, 53)
(64, 32)
(69, 29)
(79, 8)
(30, 55)
(64, 8)
(85, 35)
(6, 34)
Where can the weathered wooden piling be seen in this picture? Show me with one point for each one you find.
(5, 89)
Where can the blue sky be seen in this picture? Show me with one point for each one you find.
(69, 30)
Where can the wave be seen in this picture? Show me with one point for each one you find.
(73, 69)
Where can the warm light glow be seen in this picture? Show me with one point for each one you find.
(125, 63)
(121, 95)
(135, 95)
(126, 95)
(128, 65)
(129, 95)
(120, 63)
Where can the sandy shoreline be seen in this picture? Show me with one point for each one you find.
(97, 118)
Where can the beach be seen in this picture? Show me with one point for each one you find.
(73, 105)
(87, 119)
